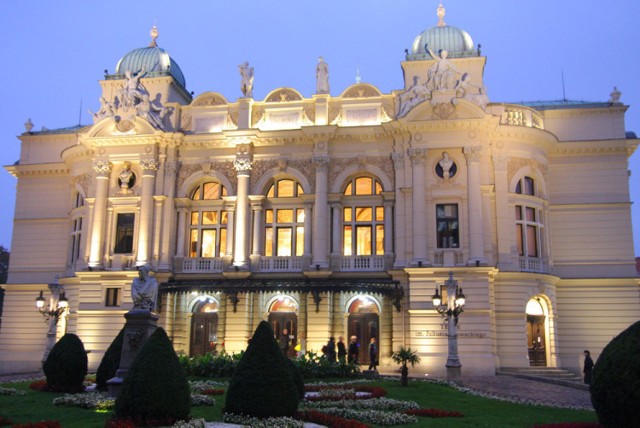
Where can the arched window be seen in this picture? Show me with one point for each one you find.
(285, 188)
(208, 221)
(525, 186)
(76, 227)
(284, 220)
(363, 218)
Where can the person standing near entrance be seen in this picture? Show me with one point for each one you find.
(331, 350)
(342, 350)
(284, 342)
(353, 350)
(588, 367)
(373, 354)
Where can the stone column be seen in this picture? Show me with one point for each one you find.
(182, 214)
(242, 164)
(388, 228)
(231, 217)
(256, 241)
(337, 229)
(400, 217)
(504, 215)
(419, 229)
(474, 195)
(102, 169)
(321, 214)
(169, 213)
(149, 171)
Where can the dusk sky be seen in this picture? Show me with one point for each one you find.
(56, 51)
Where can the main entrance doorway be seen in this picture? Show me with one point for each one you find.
(364, 323)
(204, 327)
(282, 315)
(536, 337)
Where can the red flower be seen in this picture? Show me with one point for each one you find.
(330, 421)
(434, 413)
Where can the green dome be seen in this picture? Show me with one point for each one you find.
(455, 41)
(156, 61)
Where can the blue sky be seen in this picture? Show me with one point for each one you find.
(55, 53)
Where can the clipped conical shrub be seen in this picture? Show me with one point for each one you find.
(615, 387)
(297, 377)
(156, 387)
(262, 385)
(110, 362)
(66, 365)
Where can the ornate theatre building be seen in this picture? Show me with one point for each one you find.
(329, 215)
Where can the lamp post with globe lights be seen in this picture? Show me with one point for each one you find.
(450, 311)
(58, 304)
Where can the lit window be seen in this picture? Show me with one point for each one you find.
(284, 232)
(208, 233)
(208, 191)
(362, 220)
(285, 188)
(448, 225)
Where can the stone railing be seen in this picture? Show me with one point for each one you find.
(533, 264)
(280, 264)
(362, 263)
(202, 264)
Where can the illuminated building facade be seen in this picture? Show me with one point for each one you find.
(331, 215)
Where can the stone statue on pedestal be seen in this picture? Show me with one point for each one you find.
(144, 290)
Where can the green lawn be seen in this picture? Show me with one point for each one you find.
(478, 411)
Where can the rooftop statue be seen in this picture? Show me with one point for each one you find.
(442, 74)
(322, 77)
(246, 82)
(132, 91)
(144, 290)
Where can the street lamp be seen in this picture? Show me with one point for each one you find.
(58, 304)
(450, 311)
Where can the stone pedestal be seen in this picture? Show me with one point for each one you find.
(139, 326)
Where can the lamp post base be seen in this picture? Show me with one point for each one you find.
(454, 373)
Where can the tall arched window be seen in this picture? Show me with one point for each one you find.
(530, 233)
(363, 218)
(76, 227)
(284, 220)
(208, 221)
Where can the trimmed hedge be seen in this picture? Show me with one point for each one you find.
(615, 387)
(262, 385)
(66, 365)
(110, 362)
(156, 387)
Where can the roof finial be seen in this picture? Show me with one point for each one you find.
(154, 35)
(358, 77)
(441, 13)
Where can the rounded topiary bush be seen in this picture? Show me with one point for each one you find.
(297, 377)
(66, 365)
(615, 387)
(262, 384)
(110, 362)
(156, 387)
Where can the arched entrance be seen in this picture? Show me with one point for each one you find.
(204, 326)
(283, 315)
(536, 333)
(364, 323)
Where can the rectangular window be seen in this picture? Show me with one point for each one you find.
(532, 241)
(348, 241)
(268, 241)
(223, 242)
(193, 243)
(285, 216)
(124, 233)
(364, 214)
(195, 218)
(363, 234)
(112, 297)
(284, 241)
(268, 216)
(208, 243)
(520, 239)
(448, 225)
(210, 217)
(299, 241)
(379, 213)
(347, 214)
(379, 240)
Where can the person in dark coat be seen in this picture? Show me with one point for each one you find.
(342, 350)
(331, 350)
(373, 354)
(588, 367)
(353, 350)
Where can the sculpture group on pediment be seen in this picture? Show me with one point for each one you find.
(131, 100)
(444, 84)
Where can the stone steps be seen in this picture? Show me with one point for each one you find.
(545, 374)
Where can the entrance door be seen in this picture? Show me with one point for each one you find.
(204, 333)
(285, 320)
(536, 340)
(364, 326)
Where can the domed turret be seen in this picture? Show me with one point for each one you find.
(155, 61)
(442, 37)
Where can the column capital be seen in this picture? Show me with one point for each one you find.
(472, 153)
(418, 156)
(398, 160)
(149, 166)
(102, 168)
(321, 162)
